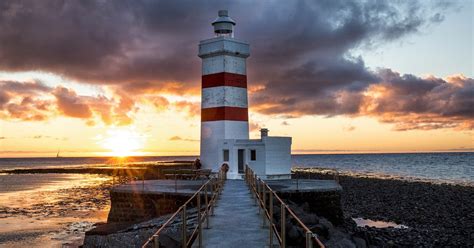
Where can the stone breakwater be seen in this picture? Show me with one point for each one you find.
(437, 215)
(135, 235)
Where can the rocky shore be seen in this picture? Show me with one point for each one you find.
(437, 215)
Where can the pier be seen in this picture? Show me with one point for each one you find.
(236, 221)
(247, 213)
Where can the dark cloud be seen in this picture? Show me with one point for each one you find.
(300, 56)
(156, 41)
(415, 103)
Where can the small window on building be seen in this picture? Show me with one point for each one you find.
(253, 155)
(226, 155)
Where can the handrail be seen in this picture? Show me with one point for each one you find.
(216, 187)
(260, 189)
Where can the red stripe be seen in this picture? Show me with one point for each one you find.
(225, 114)
(224, 79)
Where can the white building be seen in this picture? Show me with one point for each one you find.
(224, 110)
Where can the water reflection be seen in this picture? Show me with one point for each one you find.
(361, 222)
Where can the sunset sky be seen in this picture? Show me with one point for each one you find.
(123, 77)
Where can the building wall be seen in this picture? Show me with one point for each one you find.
(278, 155)
(134, 206)
(257, 166)
(223, 63)
(217, 46)
(273, 156)
(224, 96)
(212, 134)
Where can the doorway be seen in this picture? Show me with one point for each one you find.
(240, 160)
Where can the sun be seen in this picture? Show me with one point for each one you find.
(123, 142)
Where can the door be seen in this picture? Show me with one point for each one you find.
(240, 160)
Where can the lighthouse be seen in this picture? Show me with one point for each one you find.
(224, 104)
(224, 111)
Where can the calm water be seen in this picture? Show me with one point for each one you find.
(441, 167)
(444, 167)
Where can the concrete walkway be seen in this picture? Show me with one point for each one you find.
(236, 222)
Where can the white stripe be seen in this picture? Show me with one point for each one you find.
(224, 96)
(223, 45)
(223, 63)
(212, 134)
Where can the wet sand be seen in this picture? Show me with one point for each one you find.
(51, 210)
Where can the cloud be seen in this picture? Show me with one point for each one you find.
(301, 59)
(33, 101)
(178, 138)
(70, 104)
(24, 101)
(143, 44)
(416, 103)
(348, 128)
(193, 109)
(253, 126)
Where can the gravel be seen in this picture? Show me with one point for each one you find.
(437, 215)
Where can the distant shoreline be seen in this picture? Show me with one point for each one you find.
(294, 153)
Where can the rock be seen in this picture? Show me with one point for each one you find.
(359, 242)
(293, 232)
(340, 243)
(326, 224)
(310, 219)
(321, 230)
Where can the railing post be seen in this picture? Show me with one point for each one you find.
(270, 221)
(283, 226)
(156, 241)
(207, 206)
(175, 183)
(309, 242)
(199, 219)
(264, 207)
(259, 197)
(213, 198)
(184, 229)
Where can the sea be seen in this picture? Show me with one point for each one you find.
(443, 167)
(55, 210)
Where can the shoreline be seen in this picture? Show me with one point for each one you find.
(333, 173)
(54, 210)
(437, 215)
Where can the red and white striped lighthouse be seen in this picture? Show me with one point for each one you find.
(224, 105)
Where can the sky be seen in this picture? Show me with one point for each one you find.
(101, 78)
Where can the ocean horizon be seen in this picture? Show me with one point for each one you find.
(441, 167)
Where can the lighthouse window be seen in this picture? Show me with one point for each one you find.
(226, 155)
(253, 155)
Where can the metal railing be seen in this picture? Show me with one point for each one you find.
(212, 186)
(261, 191)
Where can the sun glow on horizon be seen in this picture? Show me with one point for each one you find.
(123, 142)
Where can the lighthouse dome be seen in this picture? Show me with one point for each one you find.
(223, 25)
